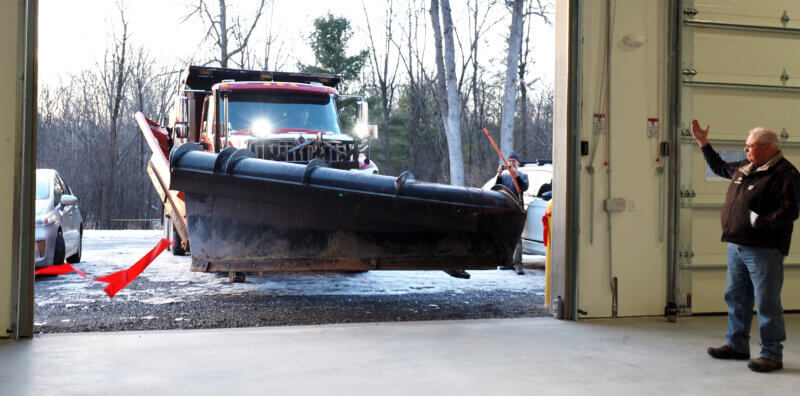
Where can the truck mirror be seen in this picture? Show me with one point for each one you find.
(362, 120)
(181, 130)
(182, 110)
(362, 113)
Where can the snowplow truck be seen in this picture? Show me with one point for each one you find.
(257, 175)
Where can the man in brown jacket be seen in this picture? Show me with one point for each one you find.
(760, 208)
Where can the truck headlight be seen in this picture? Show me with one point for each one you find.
(362, 131)
(261, 129)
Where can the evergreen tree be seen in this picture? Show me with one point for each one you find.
(329, 41)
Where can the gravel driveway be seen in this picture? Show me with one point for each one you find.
(167, 295)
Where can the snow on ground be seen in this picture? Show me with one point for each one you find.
(168, 279)
(169, 296)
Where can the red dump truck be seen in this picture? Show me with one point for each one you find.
(257, 174)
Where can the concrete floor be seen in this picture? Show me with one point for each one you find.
(510, 356)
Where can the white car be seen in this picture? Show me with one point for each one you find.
(535, 198)
(59, 225)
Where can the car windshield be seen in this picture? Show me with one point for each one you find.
(282, 112)
(42, 188)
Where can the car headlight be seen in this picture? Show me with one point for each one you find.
(45, 219)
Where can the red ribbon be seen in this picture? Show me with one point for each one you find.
(116, 280)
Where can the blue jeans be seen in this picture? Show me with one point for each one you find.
(755, 273)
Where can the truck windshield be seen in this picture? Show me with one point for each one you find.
(282, 112)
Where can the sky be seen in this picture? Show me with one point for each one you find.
(74, 34)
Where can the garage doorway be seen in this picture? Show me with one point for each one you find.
(105, 244)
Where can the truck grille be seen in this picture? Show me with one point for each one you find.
(280, 151)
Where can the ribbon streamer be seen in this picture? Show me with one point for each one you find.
(546, 224)
(116, 280)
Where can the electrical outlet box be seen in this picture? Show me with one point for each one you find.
(631, 205)
(614, 205)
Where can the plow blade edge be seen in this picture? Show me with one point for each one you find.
(252, 215)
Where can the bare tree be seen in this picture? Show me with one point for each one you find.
(441, 84)
(113, 78)
(510, 90)
(275, 57)
(479, 23)
(523, 86)
(151, 93)
(221, 30)
(452, 118)
(524, 141)
(385, 74)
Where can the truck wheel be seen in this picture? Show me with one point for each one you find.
(60, 249)
(76, 258)
(176, 248)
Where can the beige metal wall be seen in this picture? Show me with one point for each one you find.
(10, 132)
(636, 236)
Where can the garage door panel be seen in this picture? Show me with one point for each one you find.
(756, 12)
(706, 233)
(731, 113)
(708, 288)
(706, 206)
(731, 80)
(744, 57)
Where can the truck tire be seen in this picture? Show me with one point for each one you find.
(76, 258)
(60, 249)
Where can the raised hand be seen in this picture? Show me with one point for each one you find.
(699, 134)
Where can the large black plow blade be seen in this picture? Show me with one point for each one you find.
(250, 215)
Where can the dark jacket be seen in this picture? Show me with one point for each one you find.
(771, 190)
(507, 181)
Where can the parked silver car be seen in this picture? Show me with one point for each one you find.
(540, 179)
(59, 225)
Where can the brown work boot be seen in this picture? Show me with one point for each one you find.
(726, 352)
(764, 365)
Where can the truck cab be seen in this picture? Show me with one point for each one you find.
(290, 117)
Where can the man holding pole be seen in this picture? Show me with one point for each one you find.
(506, 178)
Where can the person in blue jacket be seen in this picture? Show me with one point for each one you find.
(504, 176)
